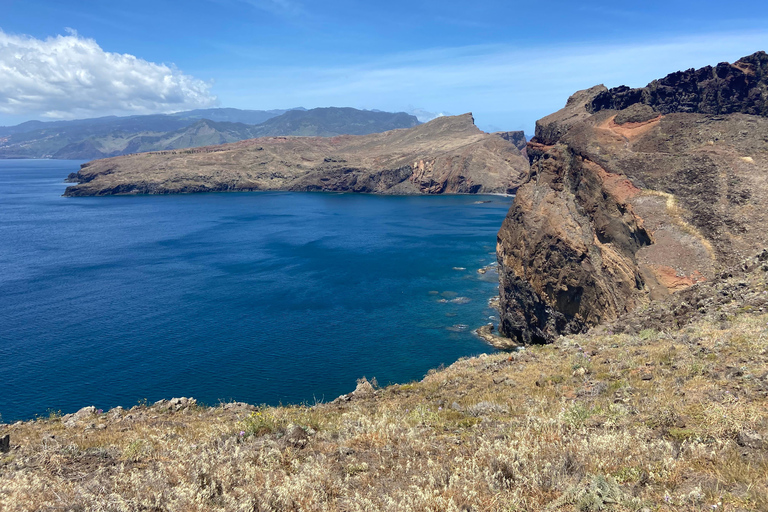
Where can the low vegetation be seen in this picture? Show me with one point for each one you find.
(657, 420)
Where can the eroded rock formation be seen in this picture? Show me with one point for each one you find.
(634, 194)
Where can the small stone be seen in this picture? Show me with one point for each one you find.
(71, 420)
(296, 437)
(647, 376)
(5, 443)
(750, 439)
(238, 406)
(363, 389)
(115, 414)
(342, 398)
(486, 409)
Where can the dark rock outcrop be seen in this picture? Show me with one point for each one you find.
(623, 207)
(723, 89)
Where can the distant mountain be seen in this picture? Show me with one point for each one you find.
(147, 123)
(201, 133)
(233, 115)
(112, 136)
(327, 122)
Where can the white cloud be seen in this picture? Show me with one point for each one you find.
(425, 115)
(71, 76)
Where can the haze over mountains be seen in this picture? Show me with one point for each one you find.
(112, 136)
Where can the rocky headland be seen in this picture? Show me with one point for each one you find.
(446, 155)
(635, 194)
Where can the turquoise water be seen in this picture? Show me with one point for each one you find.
(259, 297)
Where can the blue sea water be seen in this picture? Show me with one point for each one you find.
(258, 297)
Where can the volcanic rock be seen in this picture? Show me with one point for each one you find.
(623, 207)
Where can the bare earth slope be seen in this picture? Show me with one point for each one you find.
(447, 155)
(626, 206)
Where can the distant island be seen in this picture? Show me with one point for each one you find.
(104, 137)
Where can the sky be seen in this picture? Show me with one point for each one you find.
(507, 62)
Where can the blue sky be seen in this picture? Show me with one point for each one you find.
(508, 62)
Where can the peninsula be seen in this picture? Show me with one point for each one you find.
(447, 155)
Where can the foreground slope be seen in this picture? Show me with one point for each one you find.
(667, 418)
(635, 194)
(447, 155)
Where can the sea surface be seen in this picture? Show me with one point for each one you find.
(258, 297)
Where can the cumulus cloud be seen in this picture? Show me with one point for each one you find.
(69, 76)
(425, 115)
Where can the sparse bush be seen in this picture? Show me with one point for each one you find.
(260, 422)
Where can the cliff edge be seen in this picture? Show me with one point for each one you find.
(635, 194)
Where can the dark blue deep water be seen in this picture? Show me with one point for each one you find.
(259, 297)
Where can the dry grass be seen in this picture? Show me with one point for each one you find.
(593, 422)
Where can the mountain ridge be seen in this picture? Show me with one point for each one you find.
(111, 136)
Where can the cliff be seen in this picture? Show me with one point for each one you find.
(635, 194)
(447, 155)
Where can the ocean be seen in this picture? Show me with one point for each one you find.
(258, 297)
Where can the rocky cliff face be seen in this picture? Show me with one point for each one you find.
(633, 195)
(447, 155)
(515, 137)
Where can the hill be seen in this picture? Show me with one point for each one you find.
(327, 122)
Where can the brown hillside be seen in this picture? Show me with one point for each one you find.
(447, 155)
